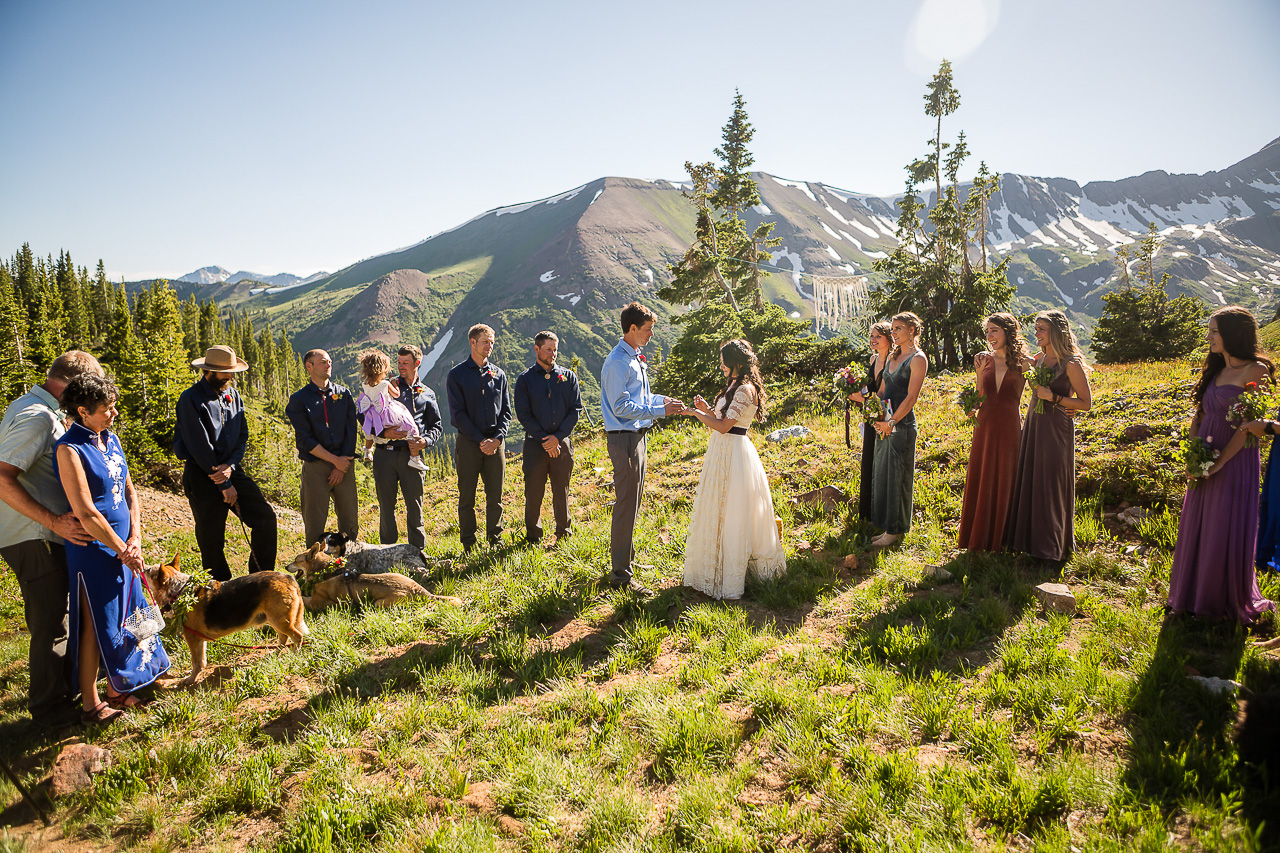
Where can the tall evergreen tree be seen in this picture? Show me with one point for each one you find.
(75, 317)
(931, 271)
(16, 371)
(722, 263)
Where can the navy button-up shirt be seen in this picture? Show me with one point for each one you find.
(478, 403)
(323, 417)
(548, 406)
(211, 429)
(421, 403)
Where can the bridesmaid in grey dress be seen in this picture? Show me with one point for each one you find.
(895, 454)
(1043, 513)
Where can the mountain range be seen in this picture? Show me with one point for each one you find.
(571, 261)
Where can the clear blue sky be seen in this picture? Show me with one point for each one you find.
(281, 136)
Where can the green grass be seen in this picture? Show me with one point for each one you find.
(829, 709)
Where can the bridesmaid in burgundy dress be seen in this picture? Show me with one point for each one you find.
(993, 459)
(1213, 563)
(880, 344)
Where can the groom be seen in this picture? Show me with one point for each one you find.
(629, 409)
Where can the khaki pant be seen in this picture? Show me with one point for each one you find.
(538, 468)
(627, 452)
(315, 492)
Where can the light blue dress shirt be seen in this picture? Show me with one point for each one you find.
(625, 400)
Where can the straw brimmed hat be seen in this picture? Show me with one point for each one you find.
(222, 359)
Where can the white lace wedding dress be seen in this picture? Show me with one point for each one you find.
(732, 528)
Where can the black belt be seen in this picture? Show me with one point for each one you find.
(640, 431)
(737, 431)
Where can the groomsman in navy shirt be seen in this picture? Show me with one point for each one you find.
(481, 412)
(323, 415)
(548, 404)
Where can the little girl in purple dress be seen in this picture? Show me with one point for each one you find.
(381, 409)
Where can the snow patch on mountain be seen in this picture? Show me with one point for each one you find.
(799, 185)
(548, 276)
(827, 228)
(870, 232)
(521, 208)
(762, 209)
(433, 355)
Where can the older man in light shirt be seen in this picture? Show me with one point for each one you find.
(629, 410)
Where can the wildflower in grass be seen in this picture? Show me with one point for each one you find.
(969, 399)
(1199, 456)
(1254, 403)
(1039, 375)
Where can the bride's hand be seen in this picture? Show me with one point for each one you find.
(701, 404)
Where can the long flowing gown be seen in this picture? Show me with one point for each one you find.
(868, 463)
(1268, 556)
(993, 463)
(114, 592)
(1042, 515)
(1213, 562)
(732, 529)
(893, 482)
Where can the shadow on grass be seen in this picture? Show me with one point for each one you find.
(953, 626)
(1181, 733)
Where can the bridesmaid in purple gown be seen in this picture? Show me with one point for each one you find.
(1213, 572)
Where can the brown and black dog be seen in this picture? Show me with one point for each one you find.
(341, 583)
(248, 601)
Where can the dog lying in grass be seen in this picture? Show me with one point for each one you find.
(368, 558)
(217, 609)
(336, 580)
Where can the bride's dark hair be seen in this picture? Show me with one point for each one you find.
(743, 367)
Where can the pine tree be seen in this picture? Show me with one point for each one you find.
(930, 272)
(1141, 323)
(721, 265)
(75, 317)
(16, 371)
(191, 327)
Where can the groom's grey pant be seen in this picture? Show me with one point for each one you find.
(627, 453)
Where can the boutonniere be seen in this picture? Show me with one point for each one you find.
(417, 388)
(640, 356)
(563, 377)
(226, 398)
(335, 396)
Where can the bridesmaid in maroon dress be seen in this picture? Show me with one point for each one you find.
(993, 459)
(880, 343)
(1213, 563)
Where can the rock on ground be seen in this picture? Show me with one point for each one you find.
(74, 768)
(1056, 597)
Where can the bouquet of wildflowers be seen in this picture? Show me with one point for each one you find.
(1253, 404)
(873, 409)
(969, 399)
(1040, 375)
(847, 380)
(1199, 456)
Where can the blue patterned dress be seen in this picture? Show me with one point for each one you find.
(113, 591)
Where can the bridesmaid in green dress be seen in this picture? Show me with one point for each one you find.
(895, 455)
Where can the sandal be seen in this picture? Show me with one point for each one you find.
(102, 713)
(126, 701)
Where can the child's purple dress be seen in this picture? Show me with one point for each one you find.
(381, 411)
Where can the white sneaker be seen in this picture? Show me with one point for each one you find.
(416, 463)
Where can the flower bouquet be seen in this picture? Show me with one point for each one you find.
(969, 399)
(1199, 456)
(847, 380)
(1039, 375)
(874, 410)
(1253, 404)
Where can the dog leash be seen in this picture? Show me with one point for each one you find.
(244, 531)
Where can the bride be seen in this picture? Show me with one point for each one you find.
(732, 528)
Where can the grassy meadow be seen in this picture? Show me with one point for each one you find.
(833, 708)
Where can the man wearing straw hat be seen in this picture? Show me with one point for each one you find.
(210, 438)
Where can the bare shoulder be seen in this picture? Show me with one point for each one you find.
(1258, 372)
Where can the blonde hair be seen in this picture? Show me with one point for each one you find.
(374, 366)
(1062, 341)
(911, 320)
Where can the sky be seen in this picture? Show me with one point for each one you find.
(279, 136)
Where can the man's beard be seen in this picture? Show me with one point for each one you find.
(219, 384)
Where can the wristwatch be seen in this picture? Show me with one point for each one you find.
(1269, 427)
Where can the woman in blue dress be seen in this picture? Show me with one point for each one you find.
(106, 585)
